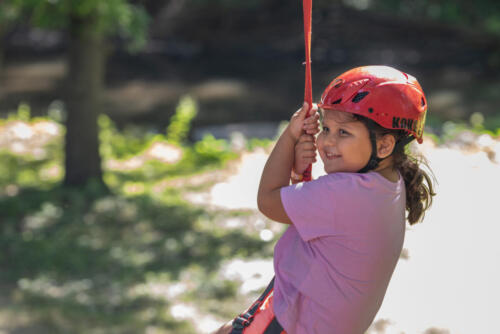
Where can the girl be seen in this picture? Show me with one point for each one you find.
(335, 261)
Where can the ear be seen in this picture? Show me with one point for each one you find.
(385, 145)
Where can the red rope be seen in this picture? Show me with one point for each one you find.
(307, 9)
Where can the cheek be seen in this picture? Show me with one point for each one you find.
(319, 141)
(365, 146)
(363, 149)
(358, 149)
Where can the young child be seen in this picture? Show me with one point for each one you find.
(334, 262)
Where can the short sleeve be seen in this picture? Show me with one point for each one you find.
(311, 207)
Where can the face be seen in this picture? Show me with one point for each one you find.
(344, 143)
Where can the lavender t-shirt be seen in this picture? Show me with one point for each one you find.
(333, 264)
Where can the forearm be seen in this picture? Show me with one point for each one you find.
(276, 173)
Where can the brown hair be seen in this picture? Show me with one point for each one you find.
(419, 185)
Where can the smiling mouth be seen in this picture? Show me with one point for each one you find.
(332, 156)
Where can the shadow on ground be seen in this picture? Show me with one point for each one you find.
(79, 262)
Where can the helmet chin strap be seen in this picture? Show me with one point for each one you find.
(374, 159)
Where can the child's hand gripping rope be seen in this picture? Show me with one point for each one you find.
(303, 130)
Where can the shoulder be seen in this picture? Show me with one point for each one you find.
(357, 184)
(350, 179)
(344, 185)
(324, 187)
(329, 182)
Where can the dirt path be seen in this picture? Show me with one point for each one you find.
(448, 282)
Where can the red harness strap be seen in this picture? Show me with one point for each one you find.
(244, 320)
(307, 9)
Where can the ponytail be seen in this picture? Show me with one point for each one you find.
(418, 183)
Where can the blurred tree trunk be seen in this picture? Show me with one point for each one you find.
(84, 84)
(2, 32)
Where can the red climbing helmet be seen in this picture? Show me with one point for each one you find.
(391, 98)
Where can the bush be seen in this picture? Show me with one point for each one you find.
(180, 123)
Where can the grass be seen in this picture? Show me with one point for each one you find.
(76, 261)
(84, 260)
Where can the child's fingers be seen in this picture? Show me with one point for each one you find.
(301, 114)
(313, 116)
(311, 126)
(306, 138)
(308, 156)
(304, 110)
(312, 131)
(306, 145)
(314, 125)
(308, 160)
(311, 121)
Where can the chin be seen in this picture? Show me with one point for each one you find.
(334, 170)
(341, 170)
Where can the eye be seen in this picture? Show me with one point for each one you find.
(326, 129)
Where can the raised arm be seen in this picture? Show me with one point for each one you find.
(276, 173)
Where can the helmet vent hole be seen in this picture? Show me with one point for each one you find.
(359, 97)
(423, 102)
(337, 101)
(370, 110)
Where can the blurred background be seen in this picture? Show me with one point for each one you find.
(133, 133)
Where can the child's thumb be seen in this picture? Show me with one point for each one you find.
(304, 110)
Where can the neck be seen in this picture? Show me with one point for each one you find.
(386, 169)
(385, 164)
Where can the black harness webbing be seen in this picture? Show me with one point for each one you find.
(244, 320)
(374, 160)
(274, 327)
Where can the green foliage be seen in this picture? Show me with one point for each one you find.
(181, 121)
(45, 169)
(135, 28)
(27, 171)
(253, 143)
(451, 129)
(213, 150)
(8, 13)
(80, 260)
(206, 154)
(122, 17)
(23, 112)
(120, 145)
(30, 165)
(484, 14)
(230, 4)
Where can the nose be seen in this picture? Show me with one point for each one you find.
(330, 139)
